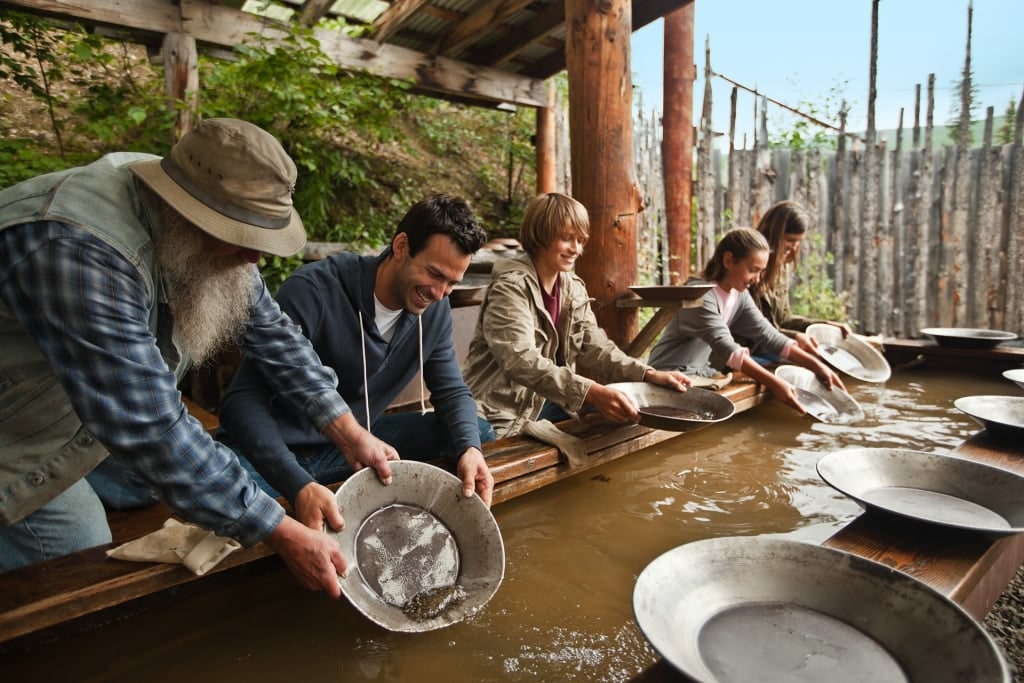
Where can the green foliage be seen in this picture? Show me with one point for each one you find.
(498, 143)
(813, 293)
(276, 269)
(21, 159)
(801, 133)
(120, 107)
(1007, 130)
(366, 148)
(96, 95)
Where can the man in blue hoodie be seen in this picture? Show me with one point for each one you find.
(376, 320)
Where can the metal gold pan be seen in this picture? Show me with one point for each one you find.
(664, 408)
(850, 355)
(742, 609)
(672, 292)
(930, 487)
(1001, 415)
(1016, 376)
(414, 543)
(833, 406)
(967, 337)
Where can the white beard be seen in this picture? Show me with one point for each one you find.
(209, 296)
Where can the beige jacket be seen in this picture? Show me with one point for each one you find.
(511, 367)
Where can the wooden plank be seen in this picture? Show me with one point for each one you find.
(926, 353)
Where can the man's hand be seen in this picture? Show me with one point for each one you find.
(313, 557)
(317, 508)
(360, 447)
(673, 379)
(475, 475)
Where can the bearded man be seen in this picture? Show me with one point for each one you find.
(115, 278)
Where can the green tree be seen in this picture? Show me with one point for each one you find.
(1007, 129)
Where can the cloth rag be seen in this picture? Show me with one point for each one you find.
(573, 448)
(178, 543)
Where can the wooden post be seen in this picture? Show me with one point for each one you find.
(601, 134)
(677, 141)
(546, 135)
(181, 79)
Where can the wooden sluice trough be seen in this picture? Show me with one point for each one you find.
(43, 602)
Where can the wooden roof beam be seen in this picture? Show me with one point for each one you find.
(394, 18)
(218, 26)
(434, 74)
(643, 13)
(540, 27)
(479, 24)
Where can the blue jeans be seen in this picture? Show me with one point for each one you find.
(414, 435)
(72, 521)
(119, 488)
(554, 412)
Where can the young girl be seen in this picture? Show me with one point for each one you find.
(695, 333)
(784, 226)
(535, 324)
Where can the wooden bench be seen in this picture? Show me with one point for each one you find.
(46, 600)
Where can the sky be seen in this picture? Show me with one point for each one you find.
(818, 51)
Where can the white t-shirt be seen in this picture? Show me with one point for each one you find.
(385, 318)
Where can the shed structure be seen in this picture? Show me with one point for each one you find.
(484, 52)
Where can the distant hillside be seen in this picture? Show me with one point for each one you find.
(943, 136)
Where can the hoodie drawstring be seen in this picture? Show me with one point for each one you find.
(423, 386)
(366, 384)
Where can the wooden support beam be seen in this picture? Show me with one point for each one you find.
(313, 11)
(677, 139)
(546, 145)
(181, 79)
(601, 136)
(434, 74)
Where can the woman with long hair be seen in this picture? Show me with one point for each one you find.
(784, 226)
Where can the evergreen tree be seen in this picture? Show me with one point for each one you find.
(1004, 136)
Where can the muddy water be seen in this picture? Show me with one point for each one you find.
(564, 611)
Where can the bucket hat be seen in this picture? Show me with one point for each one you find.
(234, 181)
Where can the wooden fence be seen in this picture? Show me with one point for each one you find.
(921, 237)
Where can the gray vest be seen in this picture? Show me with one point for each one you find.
(44, 448)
